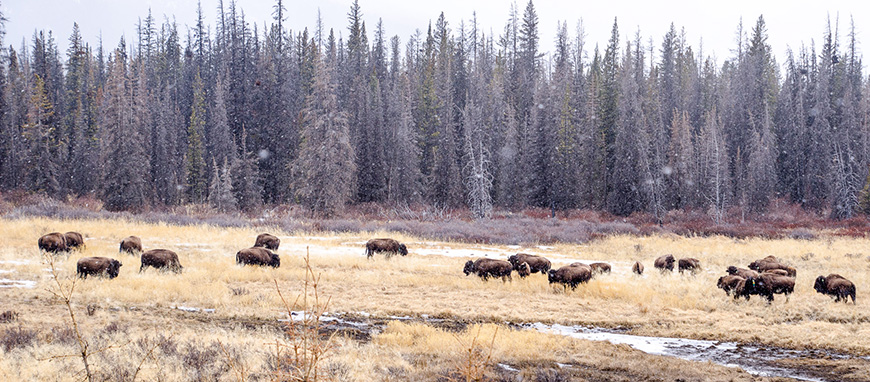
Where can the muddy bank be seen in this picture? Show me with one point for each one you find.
(766, 361)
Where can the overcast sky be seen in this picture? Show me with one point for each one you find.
(789, 23)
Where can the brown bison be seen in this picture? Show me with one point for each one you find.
(523, 270)
(771, 262)
(570, 276)
(689, 264)
(600, 267)
(53, 242)
(74, 240)
(388, 246)
(769, 284)
(665, 263)
(258, 256)
(729, 283)
(835, 286)
(486, 268)
(267, 241)
(637, 268)
(742, 272)
(163, 259)
(536, 263)
(131, 245)
(98, 266)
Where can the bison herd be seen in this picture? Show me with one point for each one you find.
(764, 277)
(161, 259)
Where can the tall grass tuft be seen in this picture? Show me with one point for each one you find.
(301, 355)
(476, 358)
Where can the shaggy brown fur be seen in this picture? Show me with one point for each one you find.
(664, 263)
(267, 241)
(98, 266)
(53, 242)
(486, 268)
(689, 264)
(163, 259)
(835, 286)
(536, 263)
(742, 272)
(131, 245)
(637, 268)
(74, 240)
(570, 276)
(258, 256)
(729, 283)
(600, 267)
(388, 246)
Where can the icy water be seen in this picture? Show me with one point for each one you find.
(757, 360)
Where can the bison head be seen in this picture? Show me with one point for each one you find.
(732, 270)
(275, 261)
(114, 268)
(669, 260)
(513, 260)
(551, 276)
(524, 269)
(821, 284)
(469, 267)
(403, 250)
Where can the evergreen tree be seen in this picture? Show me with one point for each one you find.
(197, 177)
(324, 172)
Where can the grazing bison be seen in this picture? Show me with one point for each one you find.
(742, 272)
(389, 246)
(769, 284)
(163, 259)
(267, 241)
(637, 268)
(689, 264)
(536, 263)
(258, 256)
(131, 245)
(486, 268)
(769, 263)
(600, 267)
(835, 286)
(664, 263)
(729, 283)
(98, 266)
(74, 240)
(53, 242)
(570, 276)
(781, 272)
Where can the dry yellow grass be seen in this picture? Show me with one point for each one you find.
(426, 282)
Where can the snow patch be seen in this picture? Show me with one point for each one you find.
(9, 283)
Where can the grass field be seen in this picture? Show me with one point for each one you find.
(217, 319)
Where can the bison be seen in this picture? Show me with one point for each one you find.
(570, 276)
(388, 246)
(267, 241)
(163, 259)
(98, 266)
(689, 264)
(258, 256)
(131, 245)
(53, 242)
(835, 286)
(74, 240)
(536, 263)
(769, 263)
(769, 284)
(637, 268)
(664, 263)
(486, 268)
(781, 272)
(523, 270)
(600, 267)
(729, 283)
(742, 272)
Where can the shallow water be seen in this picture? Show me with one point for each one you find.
(757, 360)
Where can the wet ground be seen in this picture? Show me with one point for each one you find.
(804, 365)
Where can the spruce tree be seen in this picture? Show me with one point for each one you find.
(197, 178)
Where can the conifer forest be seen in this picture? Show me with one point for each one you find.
(239, 115)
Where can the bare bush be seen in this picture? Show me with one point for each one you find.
(8, 316)
(476, 358)
(17, 338)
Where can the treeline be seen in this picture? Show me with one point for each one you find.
(243, 114)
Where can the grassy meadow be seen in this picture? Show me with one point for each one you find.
(219, 321)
